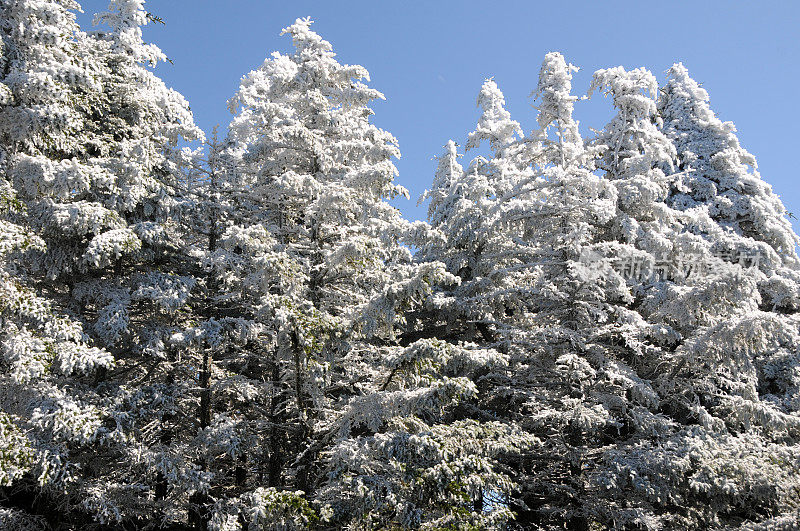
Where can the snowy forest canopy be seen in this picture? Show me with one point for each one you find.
(587, 333)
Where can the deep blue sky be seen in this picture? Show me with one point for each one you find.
(430, 57)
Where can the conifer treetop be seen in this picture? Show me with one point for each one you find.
(717, 171)
(495, 124)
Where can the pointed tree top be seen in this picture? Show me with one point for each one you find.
(683, 97)
(306, 39)
(555, 101)
(679, 72)
(448, 172)
(448, 169)
(126, 18)
(634, 91)
(634, 142)
(719, 171)
(495, 124)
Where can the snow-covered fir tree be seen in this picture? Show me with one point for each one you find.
(86, 132)
(590, 333)
(317, 257)
(722, 308)
(51, 415)
(610, 346)
(310, 241)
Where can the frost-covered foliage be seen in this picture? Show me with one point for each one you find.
(642, 286)
(86, 179)
(718, 174)
(407, 452)
(307, 272)
(264, 508)
(598, 332)
(421, 476)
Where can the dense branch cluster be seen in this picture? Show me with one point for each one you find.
(587, 333)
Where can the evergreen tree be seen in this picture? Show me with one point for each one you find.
(720, 394)
(317, 253)
(647, 367)
(86, 140)
(592, 333)
(718, 172)
(719, 178)
(606, 319)
(307, 245)
(51, 416)
(465, 209)
(523, 290)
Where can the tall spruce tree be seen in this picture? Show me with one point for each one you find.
(316, 255)
(86, 139)
(727, 423)
(312, 238)
(50, 413)
(666, 365)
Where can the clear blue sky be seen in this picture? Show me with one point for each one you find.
(430, 57)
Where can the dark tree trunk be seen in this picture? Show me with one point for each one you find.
(275, 465)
